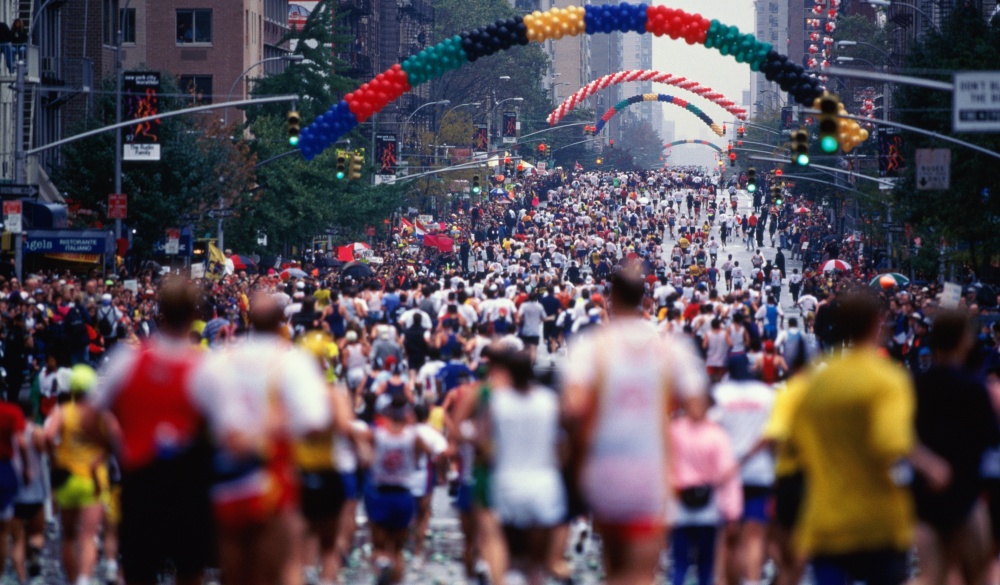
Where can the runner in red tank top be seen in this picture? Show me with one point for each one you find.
(147, 397)
(770, 366)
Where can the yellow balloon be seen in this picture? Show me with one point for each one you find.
(863, 134)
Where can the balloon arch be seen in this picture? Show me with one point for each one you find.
(643, 75)
(715, 147)
(656, 97)
(556, 23)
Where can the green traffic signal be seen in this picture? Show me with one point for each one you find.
(293, 140)
(828, 144)
(751, 187)
(802, 159)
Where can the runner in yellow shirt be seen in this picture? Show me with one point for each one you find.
(853, 432)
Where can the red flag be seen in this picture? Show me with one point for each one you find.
(578, 166)
(444, 244)
(345, 253)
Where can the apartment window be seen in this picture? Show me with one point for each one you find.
(109, 24)
(199, 87)
(127, 18)
(194, 26)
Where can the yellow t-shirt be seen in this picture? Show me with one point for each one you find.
(854, 424)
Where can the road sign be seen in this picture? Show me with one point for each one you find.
(896, 229)
(117, 206)
(975, 102)
(173, 245)
(9, 190)
(12, 216)
(220, 213)
(933, 168)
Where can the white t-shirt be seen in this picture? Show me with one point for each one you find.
(742, 408)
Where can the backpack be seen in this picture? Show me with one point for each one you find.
(76, 326)
(105, 322)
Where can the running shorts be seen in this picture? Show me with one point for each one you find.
(390, 507)
(349, 481)
(76, 492)
(756, 503)
(322, 494)
(789, 491)
(8, 489)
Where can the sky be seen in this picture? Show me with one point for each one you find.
(707, 67)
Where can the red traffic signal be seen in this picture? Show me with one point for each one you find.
(542, 148)
(778, 172)
(611, 143)
(506, 160)
(520, 167)
(740, 131)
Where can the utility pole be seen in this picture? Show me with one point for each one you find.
(119, 38)
(19, 171)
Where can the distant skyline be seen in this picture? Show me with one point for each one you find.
(707, 67)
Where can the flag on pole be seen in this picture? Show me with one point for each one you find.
(216, 263)
(577, 166)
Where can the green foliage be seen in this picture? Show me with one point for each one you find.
(296, 200)
(199, 164)
(645, 145)
(311, 79)
(962, 216)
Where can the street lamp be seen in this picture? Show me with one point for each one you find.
(842, 59)
(410, 117)
(450, 110)
(845, 44)
(888, 3)
(287, 58)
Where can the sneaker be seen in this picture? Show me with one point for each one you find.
(384, 573)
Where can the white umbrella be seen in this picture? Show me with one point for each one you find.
(832, 265)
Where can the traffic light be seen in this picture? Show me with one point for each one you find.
(294, 127)
(341, 166)
(507, 165)
(732, 158)
(829, 107)
(778, 172)
(751, 179)
(776, 194)
(542, 149)
(590, 130)
(357, 163)
(520, 168)
(476, 187)
(800, 147)
(611, 143)
(740, 131)
(599, 160)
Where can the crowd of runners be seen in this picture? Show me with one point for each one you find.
(622, 361)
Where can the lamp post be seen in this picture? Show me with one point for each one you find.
(288, 58)
(410, 117)
(888, 3)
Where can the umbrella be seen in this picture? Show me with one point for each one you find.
(889, 280)
(644, 201)
(832, 265)
(802, 209)
(241, 262)
(290, 273)
(498, 192)
(357, 270)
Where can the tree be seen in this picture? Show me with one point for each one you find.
(645, 144)
(295, 200)
(199, 166)
(476, 82)
(965, 216)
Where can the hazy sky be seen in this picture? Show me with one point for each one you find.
(707, 67)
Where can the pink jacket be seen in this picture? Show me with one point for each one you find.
(702, 454)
